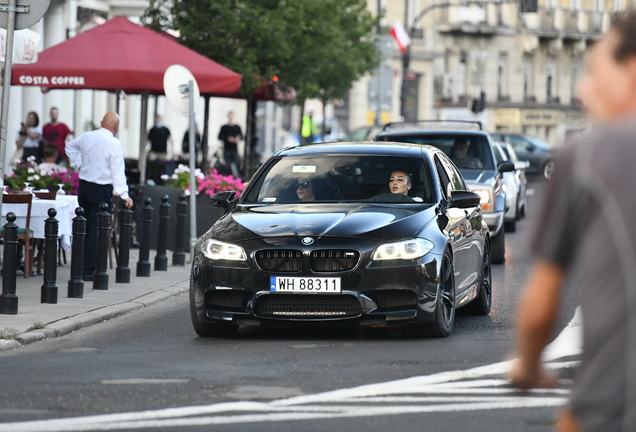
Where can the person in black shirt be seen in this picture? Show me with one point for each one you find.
(159, 135)
(231, 134)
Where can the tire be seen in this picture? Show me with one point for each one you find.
(498, 248)
(547, 170)
(482, 303)
(510, 226)
(209, 329)
(442, 324)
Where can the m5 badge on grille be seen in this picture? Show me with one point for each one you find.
(304, 285)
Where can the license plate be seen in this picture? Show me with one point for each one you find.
(305, 285)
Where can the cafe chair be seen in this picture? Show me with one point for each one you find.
(24, 234)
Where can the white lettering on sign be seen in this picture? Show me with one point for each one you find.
(56, 80)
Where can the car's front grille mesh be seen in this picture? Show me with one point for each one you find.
(280, 260)
(307, 306)
(395, 299)
(333, 260)
(226, 300)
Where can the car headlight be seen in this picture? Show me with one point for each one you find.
(485, 200)
(406, 250)
(216, 250)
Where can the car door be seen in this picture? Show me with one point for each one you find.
(458, 227)
(473, 231)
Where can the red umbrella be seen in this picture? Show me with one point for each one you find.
(121, 55)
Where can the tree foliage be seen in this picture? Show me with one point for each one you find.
(318, 47)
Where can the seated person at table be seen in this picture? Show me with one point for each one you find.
(459, 155)
(50, 154)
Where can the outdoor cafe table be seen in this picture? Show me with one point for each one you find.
(65, 206)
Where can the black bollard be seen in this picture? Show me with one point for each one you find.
(8, 298)
(48, 291)
(100, 280)
(122, 274)
(161, 259)
(76, 283)
(143, 265)
(180, 237)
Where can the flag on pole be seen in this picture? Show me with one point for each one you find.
(24, 44)
(400, 35)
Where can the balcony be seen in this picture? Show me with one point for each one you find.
(566, 23)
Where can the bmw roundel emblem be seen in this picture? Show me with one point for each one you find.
(307, 241)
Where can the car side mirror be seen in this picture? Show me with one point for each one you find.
(464, 199)
(506, 166)
(224, 200)
(531, 147)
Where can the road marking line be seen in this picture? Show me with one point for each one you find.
(306, 407)
(146, 381)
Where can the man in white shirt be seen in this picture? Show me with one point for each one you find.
(99, 157)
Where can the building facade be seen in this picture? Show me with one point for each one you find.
(526, 64)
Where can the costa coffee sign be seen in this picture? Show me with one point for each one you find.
(56, 80)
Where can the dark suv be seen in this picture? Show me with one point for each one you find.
(472, 151)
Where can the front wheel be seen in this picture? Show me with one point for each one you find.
(548, 169)
(442, 324)
(209, 329)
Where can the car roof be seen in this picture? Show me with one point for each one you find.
(359, 147)
(431, 132)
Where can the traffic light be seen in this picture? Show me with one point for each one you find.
(528, 6)
(479, 105)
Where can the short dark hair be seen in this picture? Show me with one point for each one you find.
(624, 24)
(49, 150)
(37, 118)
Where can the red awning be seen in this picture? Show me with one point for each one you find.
(121, 55)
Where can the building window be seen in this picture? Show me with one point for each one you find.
(502, 76)
(550, 79)
(461, 75)
(527, 78)
(576, 70)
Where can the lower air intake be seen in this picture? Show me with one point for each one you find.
(307, 306)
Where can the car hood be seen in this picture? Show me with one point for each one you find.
(373, 221)
(485, 177)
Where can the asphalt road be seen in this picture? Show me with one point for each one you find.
(149, 371)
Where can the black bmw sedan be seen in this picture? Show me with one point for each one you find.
(365, 233)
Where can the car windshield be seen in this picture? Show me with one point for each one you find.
(342, 178)
(465, 150)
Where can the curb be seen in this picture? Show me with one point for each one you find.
(86, 319)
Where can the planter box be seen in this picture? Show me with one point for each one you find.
(207, 215)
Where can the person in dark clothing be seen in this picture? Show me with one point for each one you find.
(185, 145)
(159, 135)
(231, 134)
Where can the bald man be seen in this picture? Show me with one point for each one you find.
(99, 158)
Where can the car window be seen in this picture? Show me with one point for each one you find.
(455, 177)
(444, 178)
(517, 142)
(359, 134)
(339, 178)
(465, 150)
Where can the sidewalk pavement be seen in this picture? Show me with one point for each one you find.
(37, 321)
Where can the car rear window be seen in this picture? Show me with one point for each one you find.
(339, 178)
(479, 155)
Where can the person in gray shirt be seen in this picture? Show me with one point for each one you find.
(587, 231)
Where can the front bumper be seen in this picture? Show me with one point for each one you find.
(372, 294)
(494, 221)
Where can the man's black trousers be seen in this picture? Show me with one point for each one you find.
(90, 196)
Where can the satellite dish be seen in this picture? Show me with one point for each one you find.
(175, 86)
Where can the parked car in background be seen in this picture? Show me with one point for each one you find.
(321, 234)
(535, 151)
(515, 185)
(477, 165)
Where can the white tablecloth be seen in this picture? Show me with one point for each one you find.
(65, 206)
